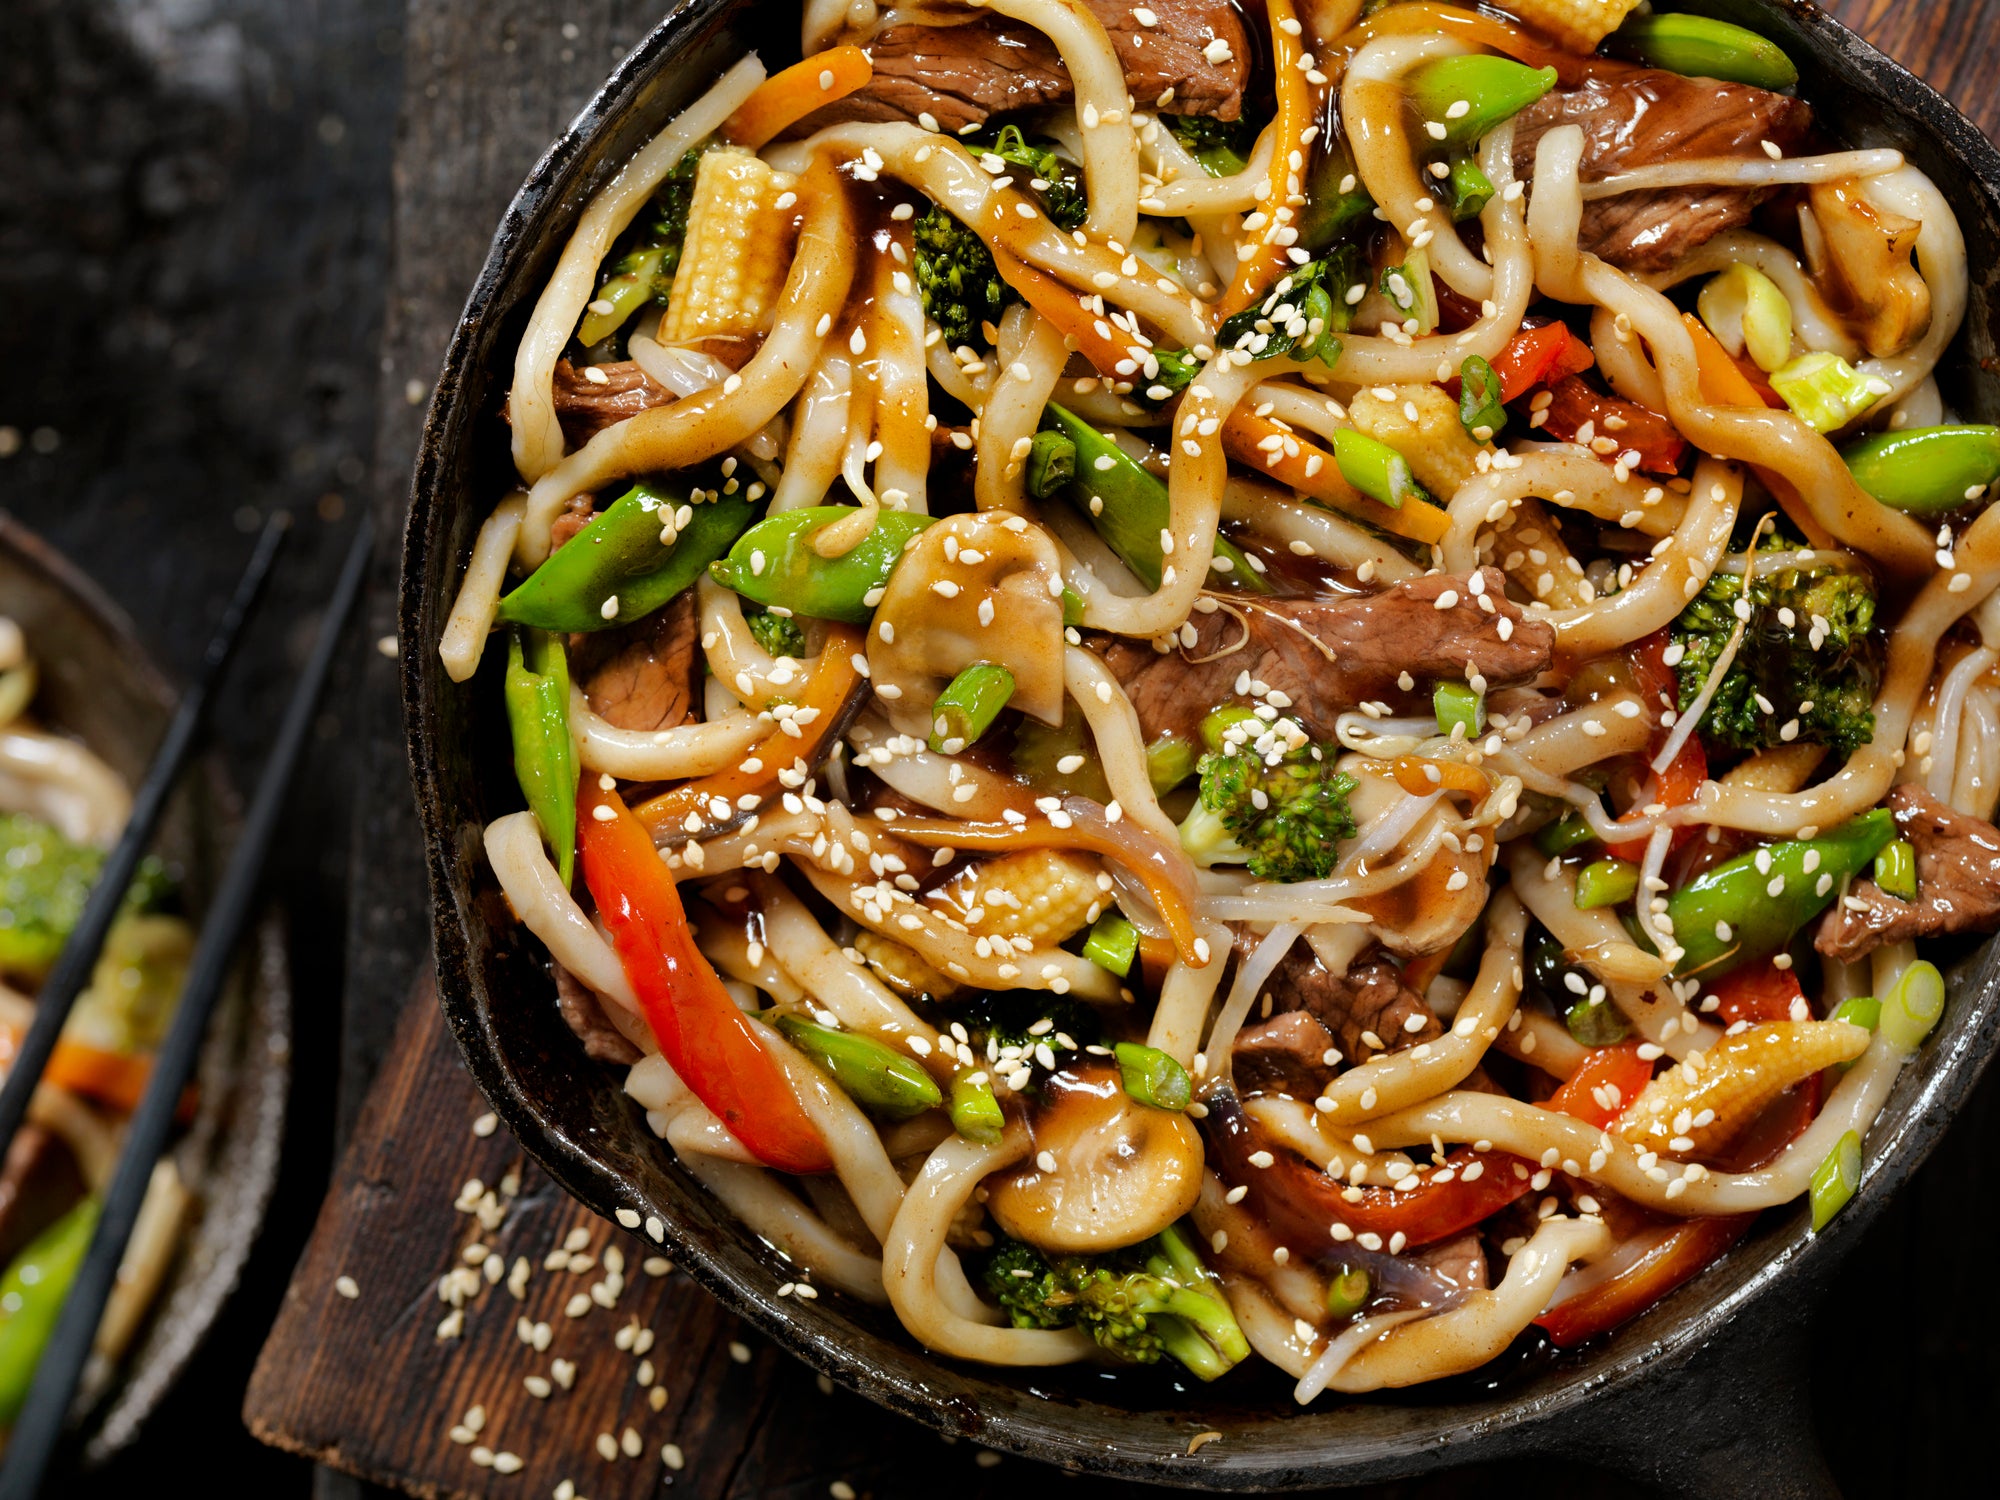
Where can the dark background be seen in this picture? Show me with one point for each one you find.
(234, 235)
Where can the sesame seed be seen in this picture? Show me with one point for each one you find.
(671, 1456)
(347, 1287)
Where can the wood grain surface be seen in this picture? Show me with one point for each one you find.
(365, 1385)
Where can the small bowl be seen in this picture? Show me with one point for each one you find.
(98, 683)
(1733, 1422)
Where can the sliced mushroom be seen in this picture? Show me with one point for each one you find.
(1860, 255)
(973, 588)
(1106, 1171)
(1432, 908)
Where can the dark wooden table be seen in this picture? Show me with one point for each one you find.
(234, 236)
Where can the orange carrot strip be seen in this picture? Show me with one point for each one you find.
(1267, 261)
(1245, 432)
(784, 99)
(1065, 307)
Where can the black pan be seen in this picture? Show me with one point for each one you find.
(1705, 1395)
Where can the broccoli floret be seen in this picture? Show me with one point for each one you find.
(961, 286)
(1303, 314)
(1270, 799)
(1014, 1019)
(1809, 656)
(1154, 1299)
(778, 634)
(44, 881)
(666, 222)
(1057, 182)
(1222, 147)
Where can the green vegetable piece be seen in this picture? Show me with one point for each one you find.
(1927, 471)
(31, 1298)
(1129, 506)
(1222, 147)
(1113, 944)
(967, 707)
(1347, 1291)
(44, 882)
(1062, 195)
(537, 696)
(1411, 292)
(1731, 915)
(1495, 88)
(1568, 832)
(1597, 1023)
(1375, 469)
(1304, 312)
(1479, 410)
(1896, 870)
(1834, 1180)
(1912, 1007)
(1336, 201)
(1824, 391)
(975, 1113)
(875, 1076)
(1072, 605)
(1041, 751)
(774, 563)
(1284, 821)
(627, 562)
(778, 634)
(1169, 762)
(1745, 310)
(1215, 726)
(962, 290)
(1051, 463)
(135, 986)
(1156, 1299)
(628, 288)
(1151, 1076)
(1461, 712)
(1023, 1020)
(1700, 47)
(1471, 188)
(1863, 1010)
(1606, 882)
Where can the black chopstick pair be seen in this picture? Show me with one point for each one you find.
(39, 1429)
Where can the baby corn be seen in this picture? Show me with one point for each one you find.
(1421, 423)
(1578, 24)
(737, 252)
(903, 969)
(1042, 895)
(1696, 1108)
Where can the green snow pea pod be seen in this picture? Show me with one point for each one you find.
(1927, 471)
(1493, 89)
(874, 1075)
(31, 1299)
(537, 696)
(775, 563)
(1702, 47)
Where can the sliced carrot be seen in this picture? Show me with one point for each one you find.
(1414, 774)
(1244, 437)
(1268, 260)
(784, 99)
(1090, 333)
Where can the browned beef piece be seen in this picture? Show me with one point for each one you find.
(646, 675)
(1958, 882)
(585, 407)
(38, 1184)
(571, 519)
(1639, 117)
(1327, 655)
(1368, 1010)
(584, 1014)
(959, 75)
(1284, 1055)
(1460, 1262)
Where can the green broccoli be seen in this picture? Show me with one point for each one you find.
(1809, 663)
(1015, 1022)
(961, 286)
(1152, 1299)
(1304, 314)
(44, 881)
(778, 634)
(1057, 182)
(640, 268)
(1270, 798)
(1222, 147)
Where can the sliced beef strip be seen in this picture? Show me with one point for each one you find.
(38, 1183)
(1460, 1263)
(992, 65)
(1638, 117)
(584, 1014)
(1327, 655)
(1369, 1001)
(1958, 882)
(645, 676)
(571, 519)
(585, 407)
(1284, 1055)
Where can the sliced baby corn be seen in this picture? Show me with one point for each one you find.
(1696, 1108)
(1043, 895)
(904, 970)
(737, 253)
(1421, 423)
(1529, 549)
(1578, 24)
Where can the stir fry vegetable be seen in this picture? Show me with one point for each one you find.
(1703, 47)
(544, 751)
(1927, 471)
(778, 564)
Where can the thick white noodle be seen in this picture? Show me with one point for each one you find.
(546, 908)
(1121, 749)
(660, 754)
(471, 621)
(819, 433)
(1735, 171)
(64, 783)
(1324, 533)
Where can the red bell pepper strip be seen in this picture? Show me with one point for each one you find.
(1681, 781)
(1540, 356)
(1583, 1094)
(1574, 406)
(709, 1042)
(1755, 993)
(1686, 1251)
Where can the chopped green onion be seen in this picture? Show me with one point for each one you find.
(1152, 1077)
(1566, 833)
(1479, 410)
(1113, 944)
(1835, 1179)
(1051, 463)
(1169, 762)
(1347, 1291)
(627, 289)
(1072, 603)
(1459, 707)
(1912, 1006)
(1410, 291)
(1896, 870)
(1375, 469)
(1862, 1010)
(1215, 728)
(975, 1113)
(1745, 310)
(1471, 189)
(967, 707)
(1606, 882)
(1597, 1023)
(1825, 392)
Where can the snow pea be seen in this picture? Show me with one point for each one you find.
(537, 696)
(1702, 47)
(1749, 907)
(1493, 89)
(1927, 471)
(1152, 1077)
(634, 556)
(31, 1299)
(775, 564)
(877, 1077)
(975, 1112)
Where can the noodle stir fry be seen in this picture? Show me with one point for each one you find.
(1194, 685)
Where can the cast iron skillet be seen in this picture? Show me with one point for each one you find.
(1704, 1394)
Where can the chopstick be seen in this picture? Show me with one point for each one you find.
(73, 966)
(39, 1428)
